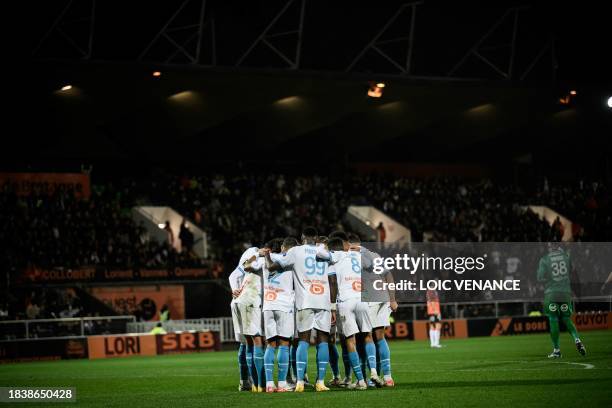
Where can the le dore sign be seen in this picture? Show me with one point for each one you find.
(462, 328)
(24, 184)
(151, 345)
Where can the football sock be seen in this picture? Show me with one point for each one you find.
(292, 366)
(432, 337)
(333, 359)
(283, 363)
(378, 367)
(370, 350)
(259, 365)
(355, 363)
(322, 360)
(554, 331)
(301, 358)
(362, 355)
(346, 361)
(251, 365)
(269, 364)
(242, 363)
(384, 355)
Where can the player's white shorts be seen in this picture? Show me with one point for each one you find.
(278, 323)
(379, 314)
(239, 337)
(246, 319)
(308, 319)
(355, 317)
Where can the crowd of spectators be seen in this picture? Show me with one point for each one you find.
(238, 211)
(62, 231)
(242, 210)
(587, 204)
(247, 209)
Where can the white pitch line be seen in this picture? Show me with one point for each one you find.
(586, 366)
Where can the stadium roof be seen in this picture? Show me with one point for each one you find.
(123, 111)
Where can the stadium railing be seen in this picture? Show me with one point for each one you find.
(69, 327)
(222, 325)
(410, 311)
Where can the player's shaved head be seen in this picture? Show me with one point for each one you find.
(339, 234)
(309, 234)
(275, 245)
(335, 244)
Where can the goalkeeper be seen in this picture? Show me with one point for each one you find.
(554, 272)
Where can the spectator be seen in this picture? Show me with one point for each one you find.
(381, 232)
(170, 233)
(186, 237)
(32, 311)
(158, 329)
(164, 314)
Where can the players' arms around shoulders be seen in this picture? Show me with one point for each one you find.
(329, 256)
(255, 264)
(367, 262)
(284, 261)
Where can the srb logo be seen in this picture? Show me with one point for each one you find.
(317, 289)
(564, 307)
(552, 307)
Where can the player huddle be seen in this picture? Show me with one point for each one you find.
(293, 293)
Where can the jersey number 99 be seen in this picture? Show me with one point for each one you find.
(313, 267)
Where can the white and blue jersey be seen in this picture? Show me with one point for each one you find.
(251, 282)
(278, 291)
(348, 274)
(311, 283)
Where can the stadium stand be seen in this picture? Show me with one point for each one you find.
(244, 210)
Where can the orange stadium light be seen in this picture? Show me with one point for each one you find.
(376, 90)
(156, 74)
(573, 92)
(66, 87)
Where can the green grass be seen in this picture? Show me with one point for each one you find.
(478, 372)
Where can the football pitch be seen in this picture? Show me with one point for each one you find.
(476, 372)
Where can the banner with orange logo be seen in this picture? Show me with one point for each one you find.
(121, 346)
(151, 345)
(593, 321)
(173, 343)
(504, 326)
(24, 184)
(400, 330)
(451, 329)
